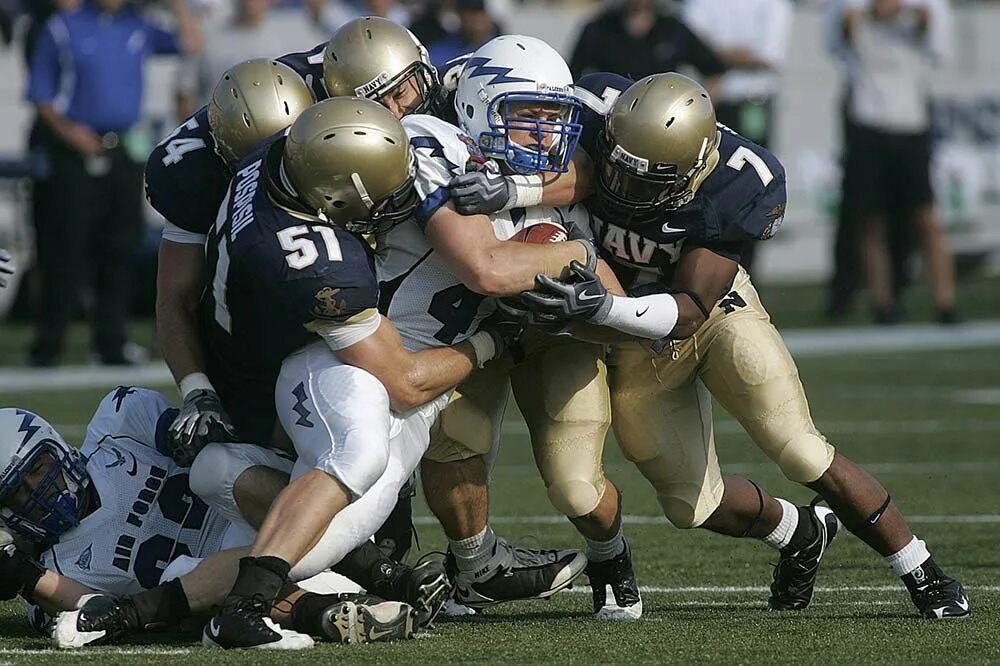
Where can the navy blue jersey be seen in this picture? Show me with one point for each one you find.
(742, 199)
(186, 178)
(309, 65)
(273, 273)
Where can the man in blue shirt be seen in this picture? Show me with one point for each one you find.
(86, 82)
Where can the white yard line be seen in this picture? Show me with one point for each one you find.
(95, 652)
(660, 520)
(748, 589)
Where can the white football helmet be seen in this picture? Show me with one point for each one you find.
(55, 503)
(514, 69)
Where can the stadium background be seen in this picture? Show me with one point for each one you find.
(918, 404)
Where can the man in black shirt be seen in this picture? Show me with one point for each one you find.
(637, 38)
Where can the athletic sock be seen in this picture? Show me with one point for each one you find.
(367, 566)
(909, 558)
(472, 554)
(307, 612)
(163, 606)
(260, 575)
(601, 551)
(781, 535)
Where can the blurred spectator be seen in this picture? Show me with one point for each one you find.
(476, 26)
(888, 46)
(331, 14)
(39, 12)
(86, 82)
(751, 37)
(636, 38)
(253, 33)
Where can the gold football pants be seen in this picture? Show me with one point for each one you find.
(662, 405)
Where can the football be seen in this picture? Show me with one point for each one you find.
(541, 232)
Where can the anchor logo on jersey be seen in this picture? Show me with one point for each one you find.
(83, 562)
(327, 304)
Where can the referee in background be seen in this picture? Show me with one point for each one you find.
(86, 83)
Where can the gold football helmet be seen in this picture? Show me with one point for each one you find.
(373, 57)
(348, 160)
(252, 101)
(659, 142)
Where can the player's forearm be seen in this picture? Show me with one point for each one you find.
(650, 317)
(55, 593)
(566, 189)
(507, 268)
(178, 288)
(430, 373)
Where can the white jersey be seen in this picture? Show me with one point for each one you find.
(419, 292)
(147, 515)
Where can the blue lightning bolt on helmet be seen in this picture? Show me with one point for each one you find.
(30, 447)
(506, 75)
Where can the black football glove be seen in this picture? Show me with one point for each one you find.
(581, 297)
(6, 267)
(202, 420)
(480, 192)
(19, 572)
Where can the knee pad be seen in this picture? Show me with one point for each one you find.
(215, 471)
(804, 458)
(575, 497)
(686, 505)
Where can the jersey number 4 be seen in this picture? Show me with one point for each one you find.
(176, 148)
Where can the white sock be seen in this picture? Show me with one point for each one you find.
(909, 557)
(473, 553)
(599, 551)
(781, 536)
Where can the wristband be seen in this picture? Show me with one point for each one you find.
(194, 382)
(483, 346)
(527, 192)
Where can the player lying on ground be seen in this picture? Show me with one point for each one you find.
(117, 516)
(678, 197)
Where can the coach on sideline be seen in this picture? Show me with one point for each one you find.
(86, 82)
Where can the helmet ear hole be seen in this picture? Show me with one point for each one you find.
(470, 110)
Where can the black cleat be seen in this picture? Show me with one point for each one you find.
(514, 574)
(367, 620)
(246, 623)
(936, 596)
(795, 574)
(102, 619)
(425, 587)
(617, 576)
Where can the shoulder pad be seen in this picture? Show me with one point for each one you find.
(309, 65)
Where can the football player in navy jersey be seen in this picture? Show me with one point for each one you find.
(290, 316)
(678, 197)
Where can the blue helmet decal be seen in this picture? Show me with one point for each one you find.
(479, 67)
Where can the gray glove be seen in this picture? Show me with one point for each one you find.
(480, 192)
(202, 420)
(581, 297)
(6, 267)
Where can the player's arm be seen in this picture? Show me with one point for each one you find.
(180, 280)
(676, 312)
(411, 378)
(492, 267)
(482, 192)
(55, 593)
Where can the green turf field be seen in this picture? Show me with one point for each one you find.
(928, 423)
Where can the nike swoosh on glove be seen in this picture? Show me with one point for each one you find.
(581, 297)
